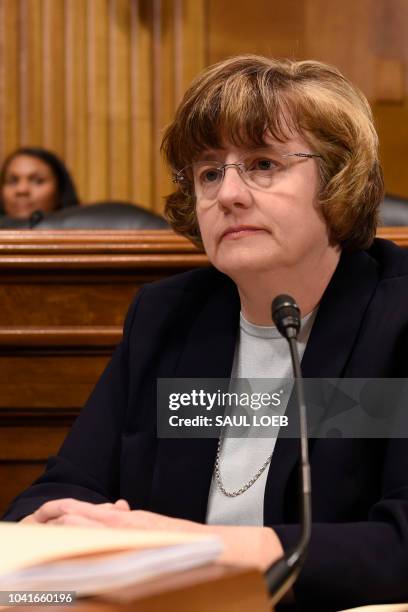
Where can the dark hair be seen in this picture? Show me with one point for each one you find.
(66, 189)
(243, 98)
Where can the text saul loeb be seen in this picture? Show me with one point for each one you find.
(241, 420)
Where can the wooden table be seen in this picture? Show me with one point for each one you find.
(213, 588)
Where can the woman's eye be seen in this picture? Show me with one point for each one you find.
(263, 164)
(210, 176)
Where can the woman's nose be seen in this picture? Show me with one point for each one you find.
(233, 190)
(22, 187)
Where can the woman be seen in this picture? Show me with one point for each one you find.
(34, 180)
(277, 175)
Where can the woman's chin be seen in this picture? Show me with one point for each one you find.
(19, 213)
(242, 266)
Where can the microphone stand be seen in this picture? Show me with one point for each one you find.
(281, 575)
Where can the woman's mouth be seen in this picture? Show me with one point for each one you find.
(240, 231)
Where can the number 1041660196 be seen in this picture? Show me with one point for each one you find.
(37, 598)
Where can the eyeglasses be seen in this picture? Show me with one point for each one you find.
(204, 178)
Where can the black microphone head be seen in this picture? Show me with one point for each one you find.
(286, 316)
(36, 217)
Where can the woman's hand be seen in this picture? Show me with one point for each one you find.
(256, 546)
(73, 512)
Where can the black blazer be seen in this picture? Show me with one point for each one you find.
(186, 326)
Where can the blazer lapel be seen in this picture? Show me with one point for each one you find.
(184, 466)
(338, 321)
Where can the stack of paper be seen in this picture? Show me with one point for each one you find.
(90, 561)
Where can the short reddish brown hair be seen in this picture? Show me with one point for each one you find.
(242, 99)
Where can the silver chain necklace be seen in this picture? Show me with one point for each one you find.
(245, 486)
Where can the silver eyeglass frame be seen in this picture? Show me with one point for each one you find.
(177, 176)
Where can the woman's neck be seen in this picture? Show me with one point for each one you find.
(257, 291)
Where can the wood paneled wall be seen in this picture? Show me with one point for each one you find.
(366, 39)
(97, 80)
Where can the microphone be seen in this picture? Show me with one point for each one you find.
(286, 316)
(35, 218)
(282, 574)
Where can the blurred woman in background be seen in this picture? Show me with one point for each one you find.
(33, 180)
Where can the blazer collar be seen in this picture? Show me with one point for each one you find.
(328, 351)
(340, 316)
